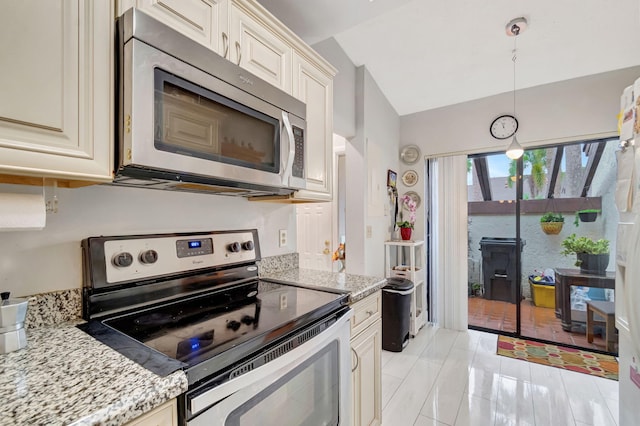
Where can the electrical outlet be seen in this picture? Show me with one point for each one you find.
(282, 241)
(368, 231)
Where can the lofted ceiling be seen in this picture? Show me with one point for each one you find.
(426, 54)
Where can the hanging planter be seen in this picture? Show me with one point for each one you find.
(589, 215)
(552, 223)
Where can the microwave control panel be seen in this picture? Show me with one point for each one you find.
(298, 160)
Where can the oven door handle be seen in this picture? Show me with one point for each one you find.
(339, 330)
(290, 152)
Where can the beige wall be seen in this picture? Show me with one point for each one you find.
(563, 111)
(369, 155)
(41, 261)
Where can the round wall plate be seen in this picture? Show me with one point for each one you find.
(410, 178)
(415, 197)
(410, 154)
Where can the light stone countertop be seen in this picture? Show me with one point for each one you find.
(357, 286)
(64, 376)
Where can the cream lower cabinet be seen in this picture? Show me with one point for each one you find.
(56, 91)
(366, 362)
(164, 415)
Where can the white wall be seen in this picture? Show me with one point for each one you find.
(41, 261)
(369, 155)
(344, 87)
(563, 111)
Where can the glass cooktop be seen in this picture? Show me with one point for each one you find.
(239, 318)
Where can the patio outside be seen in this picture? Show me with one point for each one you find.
(561, 180)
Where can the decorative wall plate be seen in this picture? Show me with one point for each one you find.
(410, 154)
(416, 198)
(410, 178)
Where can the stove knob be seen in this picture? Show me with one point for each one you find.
(234, 247)
(233, 325)
(247, 245)
(248, 320)
(122, 260)
(148, 257)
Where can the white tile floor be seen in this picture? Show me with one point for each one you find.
(446, 377)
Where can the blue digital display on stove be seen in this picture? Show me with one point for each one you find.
(195, 244)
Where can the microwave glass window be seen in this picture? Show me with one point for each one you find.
(308, 395)
(191, 120)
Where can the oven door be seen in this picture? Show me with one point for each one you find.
(177, 117)
(310, 385)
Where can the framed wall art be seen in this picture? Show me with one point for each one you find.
(392, 178)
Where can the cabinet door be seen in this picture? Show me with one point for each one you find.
(314, 87)
(366, 377)
(259, 50)
(56, 90)
(164, 415)
(201, 20)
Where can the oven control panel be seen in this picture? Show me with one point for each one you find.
(139, 258)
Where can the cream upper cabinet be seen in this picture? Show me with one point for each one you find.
(366, 361)
(314, 87)
(201, 20)
(56, 91)
(258, 49)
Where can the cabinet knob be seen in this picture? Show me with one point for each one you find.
(369, 313)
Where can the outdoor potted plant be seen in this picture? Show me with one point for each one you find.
(476, 289)
(551, 223)
(591, 256)
(586, 215)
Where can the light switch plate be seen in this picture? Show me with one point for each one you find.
(282, 239)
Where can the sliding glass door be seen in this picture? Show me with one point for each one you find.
(544, 296)
(492, 237)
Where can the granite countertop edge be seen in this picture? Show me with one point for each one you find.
(66, 377)
(356, 286)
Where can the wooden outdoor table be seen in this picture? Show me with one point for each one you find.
(565, 278)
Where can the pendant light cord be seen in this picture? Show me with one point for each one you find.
(516, 30)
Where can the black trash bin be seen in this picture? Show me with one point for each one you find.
(396, 308)
(499, 268)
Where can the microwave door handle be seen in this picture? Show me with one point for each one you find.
(291, 152)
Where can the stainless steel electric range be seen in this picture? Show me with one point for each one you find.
(251, 349)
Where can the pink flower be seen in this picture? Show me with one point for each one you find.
(410, 205)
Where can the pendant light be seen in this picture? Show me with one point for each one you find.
(514, 28)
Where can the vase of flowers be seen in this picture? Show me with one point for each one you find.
(406, 226)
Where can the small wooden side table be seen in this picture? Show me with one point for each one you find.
(607, 311)
(565, 278)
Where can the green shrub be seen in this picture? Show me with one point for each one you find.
(573, 245)
(552, 217)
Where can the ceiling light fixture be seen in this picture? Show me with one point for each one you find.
(514, 28)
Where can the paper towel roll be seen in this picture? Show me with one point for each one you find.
(21, 212)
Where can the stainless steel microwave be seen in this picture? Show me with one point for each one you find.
(190, 120)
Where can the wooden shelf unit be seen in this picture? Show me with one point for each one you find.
(411, 266)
